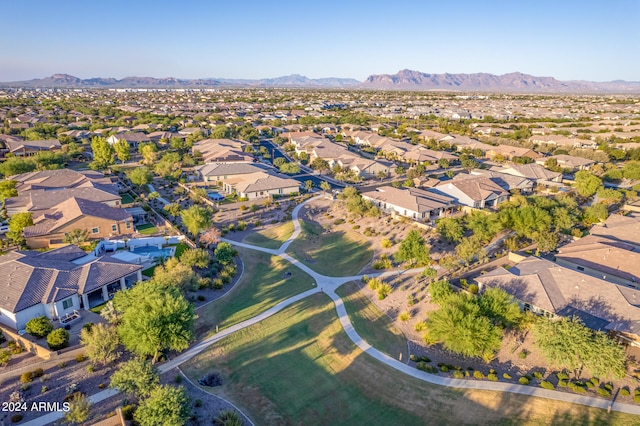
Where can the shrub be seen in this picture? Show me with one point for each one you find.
(523, 354)
(365, 278)
(458, 374)
(523, 380)
(590, 385)
(420, 326)
(26, 377)
(338, 221)
(636, 398)
(386, 243)
(90, 368)
(217, 284)
(547, 385)
(383, 291)
(473, 289)
(58, 339)
(43, 389)
(414, 358)
(25, 387)
(178, 379)
(63, 364)
(38, 372)
(81, 358)
(355, 227)
(444, 368)
(404, 316)
(537, 375)
(478, 374)
(577, 388)
(563, 383)
(506, 376)
(493, 377)
(562, 376)
(374, 283)
(595, 381)
(242, 225)
(127, 412)
(608, 386)
(424, 359)
(5, 356)
(88, 326)
(625, 391)
(603, 392)
(39, 327)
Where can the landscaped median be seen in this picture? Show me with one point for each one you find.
(299, 367)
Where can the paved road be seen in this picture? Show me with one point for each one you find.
(329, 285)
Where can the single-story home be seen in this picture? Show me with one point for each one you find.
(21, 148)
(418, 204)
(58, 282)
(477, 191)
(261, 185)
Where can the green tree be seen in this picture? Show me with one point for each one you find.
(225, 253)
(450, 229)
(149, 153)
(173, 209)
(440, 291)
(58, 339)
(586, 183)
(135, 377)
(595, 213)
(429, 273)
(413, 250)
(175, 273)
(79, 407)
(166, 405)
(200, 258)
(39, 326)
(122, 150)
(16, 165)
(196, 218)
(278, 162)
(308, 185)
(501, 307)
(568, 343)
(484, 226)
(76, 236)
(469, 249)
(325, 186)
(140, 176)
(102, 153)
(459, 325)
(8, 189)
(319, 164)
(154, 318)
(220, 132)
(609, 196)
(101, 343)
(443, 163)
(290, 168)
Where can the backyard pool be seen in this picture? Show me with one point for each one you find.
(154, 252)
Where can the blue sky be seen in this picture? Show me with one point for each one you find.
(566, 39)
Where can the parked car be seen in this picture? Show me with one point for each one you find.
(4, 229)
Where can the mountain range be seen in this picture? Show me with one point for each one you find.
(402, 80)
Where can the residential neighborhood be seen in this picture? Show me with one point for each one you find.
(427, 241)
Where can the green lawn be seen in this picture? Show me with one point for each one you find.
(271, 237)
(127, 199)
(180, 248)
(299, 367)
(335, 254)
(98, 309)
(262, 286)
(147, 229)
(371, 323)
(149, 272)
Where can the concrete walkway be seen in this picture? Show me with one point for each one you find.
(329, 285)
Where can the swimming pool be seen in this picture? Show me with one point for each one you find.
(155, 252)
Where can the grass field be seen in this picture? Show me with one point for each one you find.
(299, 367)
(180, 248)
(146, 229)
(262, 285)
(371, 323)
(271, 237)
(334, 254)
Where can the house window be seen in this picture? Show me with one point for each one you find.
(95, 230)
(114, 227)
(280, 191)
(67, 303)
(128, 224)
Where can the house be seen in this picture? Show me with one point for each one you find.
(567, 162)
(476, 192)
(465, 143)
(622, 228)
(218, 172)
(22, 148)
(551, 290)
(509, 152)
(420, 154)
(414, 203)
(608, 259)
(261, 185)
(50, 226)
(222, 151)
(362, 167)
(133, 139)
(58, 282)
(533, 171)
(507, 182)
(42, 190)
